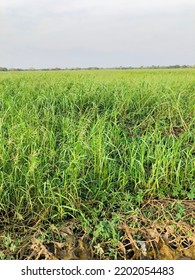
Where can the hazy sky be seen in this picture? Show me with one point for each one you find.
(103, 33)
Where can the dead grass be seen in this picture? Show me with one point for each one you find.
(158, 236)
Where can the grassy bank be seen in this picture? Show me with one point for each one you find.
(94, 146)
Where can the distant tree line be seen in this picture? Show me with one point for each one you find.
(99, 68)
(3, 69)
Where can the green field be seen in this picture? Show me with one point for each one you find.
(93, 148)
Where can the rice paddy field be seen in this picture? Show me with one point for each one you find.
(97, 164)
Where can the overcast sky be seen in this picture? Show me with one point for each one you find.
(102, 33)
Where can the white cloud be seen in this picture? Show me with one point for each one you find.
(60, 6)
(91, 29)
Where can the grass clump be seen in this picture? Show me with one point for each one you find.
(85, 145)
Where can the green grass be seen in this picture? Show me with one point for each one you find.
(87, 144)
